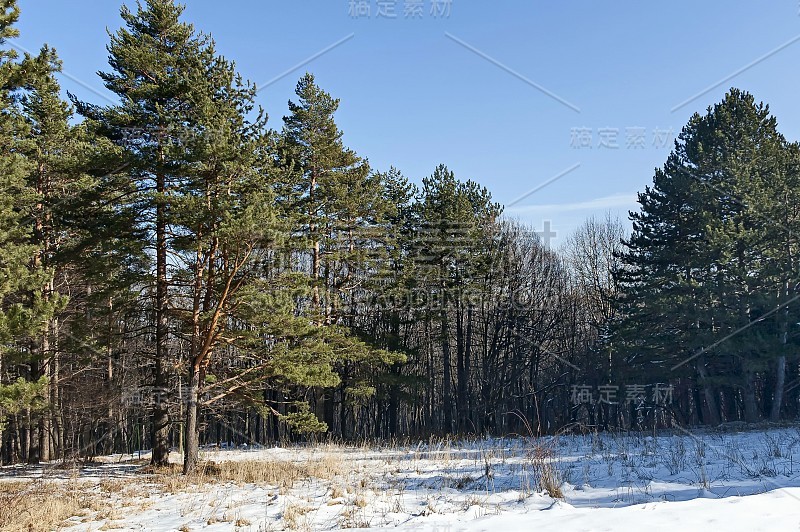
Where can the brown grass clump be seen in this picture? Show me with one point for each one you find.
(170, 468)
(294, 517)
(547, 476)
(280, 473)
(40, 505)
(113, 485)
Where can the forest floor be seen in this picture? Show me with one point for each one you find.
(733, 478)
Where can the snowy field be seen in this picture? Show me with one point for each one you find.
(712, 480)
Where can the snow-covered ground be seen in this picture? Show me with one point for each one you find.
(717, 480)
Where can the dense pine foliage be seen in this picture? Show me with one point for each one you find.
(176, 271)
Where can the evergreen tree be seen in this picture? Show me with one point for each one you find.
(51, 149)
(325, 177)
(695, 270)
(776, 212)
(392, 295)
(342, 210)
(157, 61)
(455, 228)
(225, 223)
(24, 305)
(81, 234)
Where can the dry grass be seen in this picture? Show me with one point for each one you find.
(114, 485)
(280, 473)
(546, 474)
(45, 505)
(353, 517)
(39, 505)
(337, 492)
(294, 516)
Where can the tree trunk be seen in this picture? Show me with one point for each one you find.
(108, 444)
(708, 392)
(315, 245)
(55, 395)
(160, 415)
(447, 394)
(780, 382)
(45, 422)
(45, 453)
(33, 440)
(461, 387)
(192, 436)
(780, 363)
(326, 395)
(469, 409)
(749, 397)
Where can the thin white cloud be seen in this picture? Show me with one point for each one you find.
(615, 201)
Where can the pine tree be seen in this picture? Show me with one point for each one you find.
(225, 223)
(695, 266)
(51, 151)
(156, 61)
(72, 233)
(342, 209)
(324, 174)
(391, 297)
(24, 306)
(455, 224)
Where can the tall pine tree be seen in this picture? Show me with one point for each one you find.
(156, 61)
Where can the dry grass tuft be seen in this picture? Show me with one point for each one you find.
(337, 492)
(546, 474)
(294, 517)
(280, 473)
(39, 505)
(353, 518)
(113, 485)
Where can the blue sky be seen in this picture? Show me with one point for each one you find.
(490, 88)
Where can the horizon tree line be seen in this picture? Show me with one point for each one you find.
(176, 273)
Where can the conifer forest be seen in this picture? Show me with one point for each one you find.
(179, 272)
